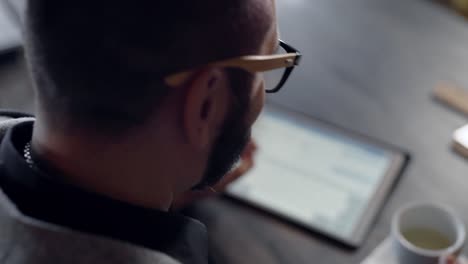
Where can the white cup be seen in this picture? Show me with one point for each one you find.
(434, 217)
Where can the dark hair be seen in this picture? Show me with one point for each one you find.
(100, 64)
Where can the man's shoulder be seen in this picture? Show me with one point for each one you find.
(24, 240)
(6, 114)
(9, 118)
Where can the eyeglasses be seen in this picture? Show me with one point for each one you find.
(275, 68)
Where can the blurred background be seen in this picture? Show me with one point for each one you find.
(369, 66)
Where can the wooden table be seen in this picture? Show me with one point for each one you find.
(369, 65)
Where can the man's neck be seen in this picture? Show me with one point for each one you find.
(120, 170)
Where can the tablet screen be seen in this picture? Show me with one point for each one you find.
(312, 174)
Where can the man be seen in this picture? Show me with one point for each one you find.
(141, 105)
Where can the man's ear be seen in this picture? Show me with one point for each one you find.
(205, 106)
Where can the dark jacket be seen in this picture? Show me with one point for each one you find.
(26, 240)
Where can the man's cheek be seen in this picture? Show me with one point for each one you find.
(257, 101)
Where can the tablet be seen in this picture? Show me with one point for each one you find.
(319, 176)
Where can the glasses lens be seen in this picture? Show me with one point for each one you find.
(273, 78)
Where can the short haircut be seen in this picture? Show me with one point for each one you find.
(100, 64)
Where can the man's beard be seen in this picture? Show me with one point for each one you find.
(228, 147)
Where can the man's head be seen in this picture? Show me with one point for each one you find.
(99, 69)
